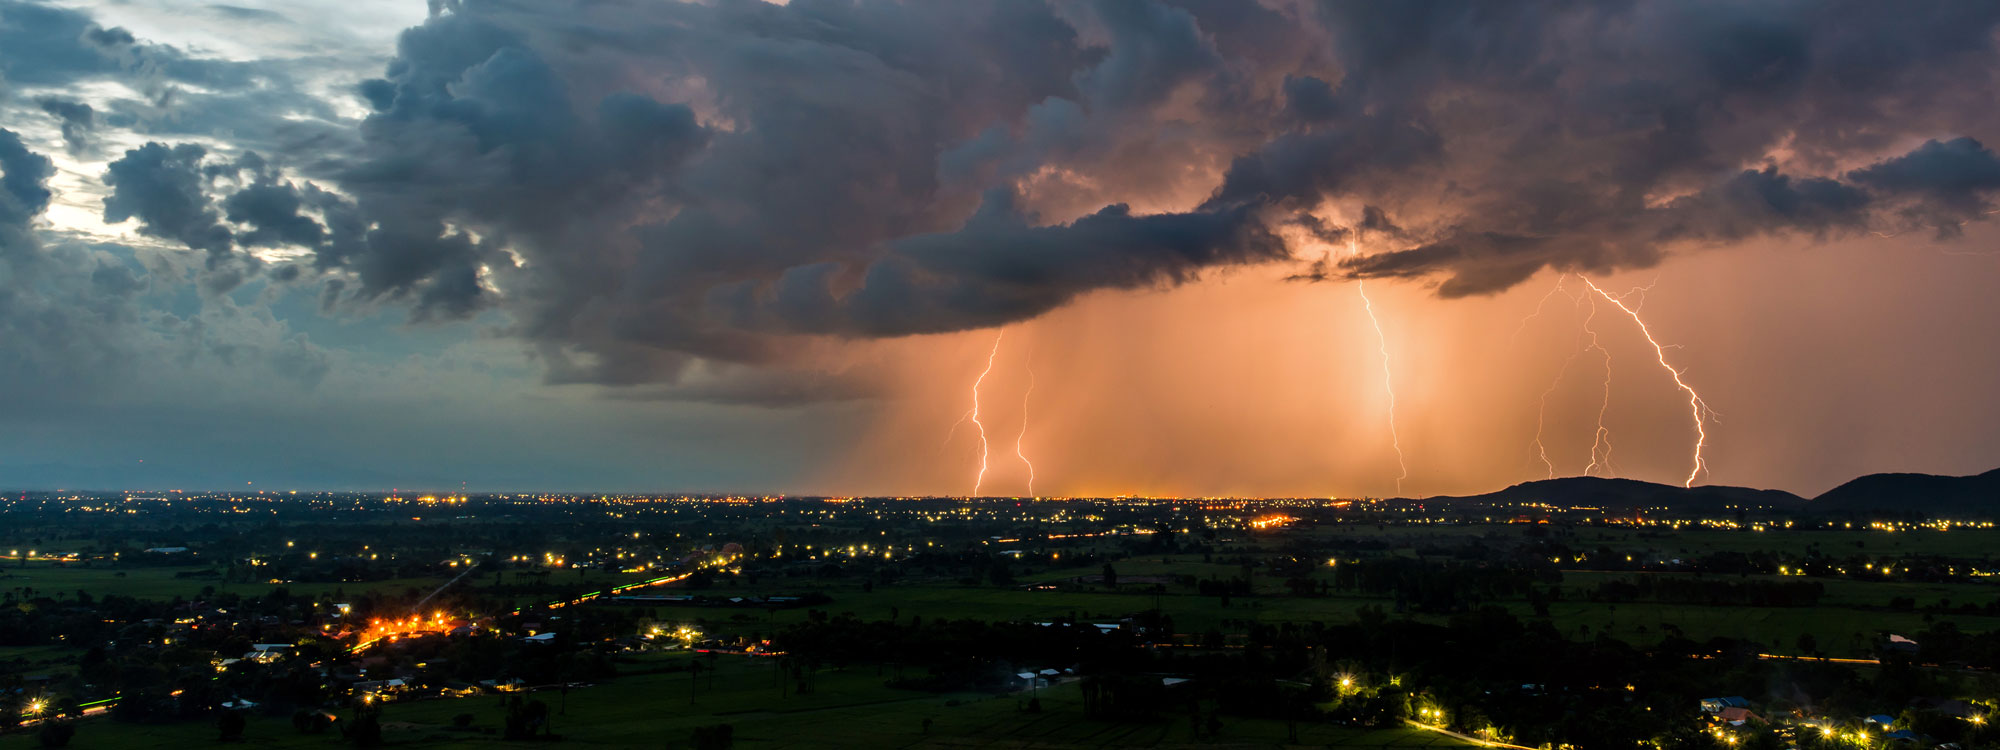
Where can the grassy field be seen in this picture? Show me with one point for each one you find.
(847, 709)
(1847, 623)
(166, 583)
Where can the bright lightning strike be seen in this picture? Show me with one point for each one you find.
(1696, 407)
(1023, 434)
(1388, 377)
(1541, 414)
(1600, 441)
(973, 415)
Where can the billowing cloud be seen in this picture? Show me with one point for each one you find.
(644, 186)
(77, 118)
(647, 185)
(165, 189)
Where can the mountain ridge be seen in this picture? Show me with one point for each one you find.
(1890, 491)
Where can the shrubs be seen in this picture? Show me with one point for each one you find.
(229, 726)
(56, 734)
(715, 737)
(311, 721)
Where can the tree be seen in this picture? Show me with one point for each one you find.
(229, 726)
(525, 719)
(56, 733)
(366, 730)
(1110, 576)
(715, 737)
(311, 722)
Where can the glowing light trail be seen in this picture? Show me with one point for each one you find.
(1696, 407)
(973, 415)
(1023, 435)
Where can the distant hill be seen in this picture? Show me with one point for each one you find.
(1628, 494)
(1929, 494)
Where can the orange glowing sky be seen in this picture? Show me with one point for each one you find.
(1246, 384)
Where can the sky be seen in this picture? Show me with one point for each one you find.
(1004, 247)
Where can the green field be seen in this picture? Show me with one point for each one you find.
(166, 583)
(847, 709)
(1848, 621)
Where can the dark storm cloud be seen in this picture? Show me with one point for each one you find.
(643, 187)
(165, 189)
(77, 118)
(1566, 131)
(648, 185)
(813, 194)
(999, 268)
(1948, 183)
(24, 179)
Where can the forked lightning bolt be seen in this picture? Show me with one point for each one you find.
(1697, 408)
(1600, 441)
(1023, 435)
(1542, 412)
(973, 415)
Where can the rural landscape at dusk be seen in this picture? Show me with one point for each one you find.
(1009, 374)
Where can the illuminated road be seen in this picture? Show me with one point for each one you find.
(1466, 737)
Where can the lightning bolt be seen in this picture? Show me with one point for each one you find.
(1023, 435)
(1697, 408)
(1388, 376)
(973, 414)
(1600, 441)
(1558, 289)
(1541, 414)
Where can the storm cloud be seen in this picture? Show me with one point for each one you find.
(646, 185)
(642, 187)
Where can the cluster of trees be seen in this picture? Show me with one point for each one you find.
(1440, 586)
(1679, 590)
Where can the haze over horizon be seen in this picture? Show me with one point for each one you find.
(766, 248)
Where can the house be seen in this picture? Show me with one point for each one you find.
(1030, 679)
(266, 652)
(1715, 705)
(1737, 716)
